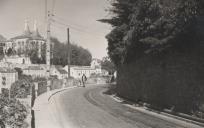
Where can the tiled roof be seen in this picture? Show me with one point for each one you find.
(34, 68)
(83, 68)
(61, 70)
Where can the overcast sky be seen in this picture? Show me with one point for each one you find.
(79, 15)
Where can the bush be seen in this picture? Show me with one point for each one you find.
(12, 112)
(20, 89)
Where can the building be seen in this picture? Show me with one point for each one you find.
(59, 72)
(7, 77)
(25, 42)
(35, 71)
(15, 59)
(96, 63)
(78, 71)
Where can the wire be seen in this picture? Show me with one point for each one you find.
(45, 10)
(65, 21)
(88, 34)
(53, 6)
(79, 29)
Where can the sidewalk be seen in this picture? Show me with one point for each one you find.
(44, 117)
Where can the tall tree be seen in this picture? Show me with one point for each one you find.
(148, 26)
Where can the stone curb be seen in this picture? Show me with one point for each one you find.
(61, 90)
(118, 99)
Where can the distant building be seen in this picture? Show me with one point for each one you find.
(104, 72)
(35, 71)
(78, 71)
(7, 77)
(25, 42)
(16, 59)
(59, 72)
(96, 63)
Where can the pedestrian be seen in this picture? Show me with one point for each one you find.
(83, 79)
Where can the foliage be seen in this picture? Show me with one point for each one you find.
(157, 50)
(108, 65)
(22, 87)
(147, 26)
(35, 58)
(80, 56)
(12, 112)
(10, 52)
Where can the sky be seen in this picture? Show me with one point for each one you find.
(79, 15)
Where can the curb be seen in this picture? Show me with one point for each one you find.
(61, 90)
(118, 99)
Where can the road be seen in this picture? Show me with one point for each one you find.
(90, 107)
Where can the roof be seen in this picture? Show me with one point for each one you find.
(61, 70)
(7, 70)
(22, 36)
(34, 68)
(31, 35)
(82, 68)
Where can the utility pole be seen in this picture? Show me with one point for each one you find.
(69, 52)
(48, 40)
(48, 43)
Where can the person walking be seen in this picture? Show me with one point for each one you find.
(83, 79)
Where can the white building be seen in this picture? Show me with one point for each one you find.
(59, 72)
(78, 71)
(35, 71)
(25, 42)
(16, 59)
(7, 77)
(96, 63)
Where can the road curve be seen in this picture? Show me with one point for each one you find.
(90, 107)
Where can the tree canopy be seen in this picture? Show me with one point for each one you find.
(59, 54)
(108, 65)
(147, 26)
(79, 55)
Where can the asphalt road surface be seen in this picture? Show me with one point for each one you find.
(91, 107)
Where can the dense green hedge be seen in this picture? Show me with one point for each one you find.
(171, 80)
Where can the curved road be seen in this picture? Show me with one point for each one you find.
(90, 107)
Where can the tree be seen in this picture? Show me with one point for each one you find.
(144, 34)
(108, 65)
(147, 26)
(12, 112)
(9, 52)
(79, 56)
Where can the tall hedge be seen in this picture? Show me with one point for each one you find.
(157, 48)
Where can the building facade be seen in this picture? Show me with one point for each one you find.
(59, 72)
(24, 43)
(78, 71)
(15, 59)
(35, 71)
(7, 77)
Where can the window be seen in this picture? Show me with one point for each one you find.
(4, 80)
